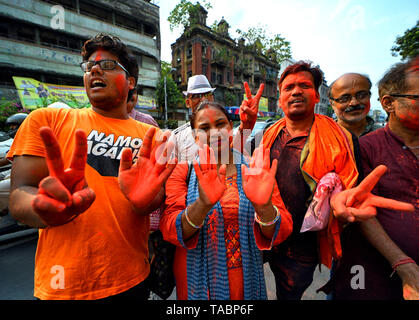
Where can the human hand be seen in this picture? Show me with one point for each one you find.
(409, 274)
(359, 204)
(142, 181)
(64, 194)
(211, 182)
(259, 178)
(250, 107)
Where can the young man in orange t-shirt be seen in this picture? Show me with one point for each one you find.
(93, 219)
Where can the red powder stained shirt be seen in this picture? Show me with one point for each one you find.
(176, 191)
(294, 192)
(401, 182)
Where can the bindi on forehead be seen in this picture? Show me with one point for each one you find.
(98, 55)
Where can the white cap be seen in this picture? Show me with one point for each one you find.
(59, 104)
(198, 84)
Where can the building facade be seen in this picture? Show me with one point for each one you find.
(226, 64)
(43, 39)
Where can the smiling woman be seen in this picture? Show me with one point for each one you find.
(211, 217)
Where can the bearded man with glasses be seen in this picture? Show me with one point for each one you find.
(349, 96)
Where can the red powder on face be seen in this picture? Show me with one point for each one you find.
(410, 119)
(120, 82)
(120, 85)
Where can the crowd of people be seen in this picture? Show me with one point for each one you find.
(95, 181)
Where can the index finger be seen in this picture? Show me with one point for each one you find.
(371, 180)
(247, 90)
(145, 149)
(79, 158)
(53, 153)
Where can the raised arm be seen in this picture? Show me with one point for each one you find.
(359, 204)
(142, 183)
(258, 185)
(248, 116)
(42, 192)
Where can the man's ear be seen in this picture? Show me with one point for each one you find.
(333, 105)
(387, 103)
(317, 97)
(131, 83)
(188, 103)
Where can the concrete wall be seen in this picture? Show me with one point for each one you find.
(36, 57)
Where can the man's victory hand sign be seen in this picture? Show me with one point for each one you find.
(64, 194)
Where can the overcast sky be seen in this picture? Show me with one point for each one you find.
(340, 36)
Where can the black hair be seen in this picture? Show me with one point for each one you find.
(303, 66)
(394, 80)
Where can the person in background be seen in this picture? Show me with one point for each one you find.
(386, 247)
(349, 96)
(199, 89)
(137, 115)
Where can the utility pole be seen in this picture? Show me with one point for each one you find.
(165, 99)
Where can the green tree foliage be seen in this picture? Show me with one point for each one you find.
(9, 108)
(229, 98)
(184, 13)
(407, 46)
(174, 96)
(165, 68)
(275, 47)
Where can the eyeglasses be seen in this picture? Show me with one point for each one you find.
(105, 64)
(409, 96)
(200, 95)
(360, 95)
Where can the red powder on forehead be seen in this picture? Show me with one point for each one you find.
(210, 114)
(98, 55)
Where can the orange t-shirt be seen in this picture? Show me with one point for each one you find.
(104, 251)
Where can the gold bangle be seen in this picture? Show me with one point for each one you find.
(267, 224)
(190, 222)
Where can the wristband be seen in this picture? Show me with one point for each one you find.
(190, 222)
(267, 224)
(399, 263)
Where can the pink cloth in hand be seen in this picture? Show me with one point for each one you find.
(317, 215)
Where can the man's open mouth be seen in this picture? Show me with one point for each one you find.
(296, 101)
(97, 84)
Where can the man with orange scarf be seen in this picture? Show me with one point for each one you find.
(307, 146)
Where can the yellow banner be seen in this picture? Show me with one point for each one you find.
(34, 94)
(263, 103)
(145, 103)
